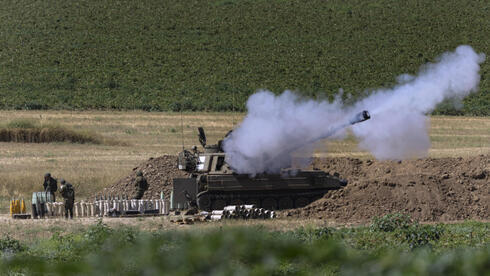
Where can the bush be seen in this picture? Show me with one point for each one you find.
(9, 245)
(28, 131)
(421, 235)
(391, 222)
(410, 232)
(310, 234)
(97, 234)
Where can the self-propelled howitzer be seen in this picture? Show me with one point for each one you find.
(213, 184)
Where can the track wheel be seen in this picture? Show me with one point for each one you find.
(219, 204)
(269, 203)
(204, 202)
(285, 203)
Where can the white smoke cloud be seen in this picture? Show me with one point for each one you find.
(398, 127)
(278, 126)
(275, 126)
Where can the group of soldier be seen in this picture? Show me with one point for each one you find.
(68, 192)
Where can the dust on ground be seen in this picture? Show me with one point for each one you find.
(429, 190)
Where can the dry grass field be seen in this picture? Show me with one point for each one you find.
(91, 167)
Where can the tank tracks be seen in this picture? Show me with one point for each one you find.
(271, 200)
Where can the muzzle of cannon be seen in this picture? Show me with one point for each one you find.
(360, 117)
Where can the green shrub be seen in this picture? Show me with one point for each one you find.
(310, 234)
(412, 233)
(391, 222)
(421, 235)
(98, 233)
(9, 245)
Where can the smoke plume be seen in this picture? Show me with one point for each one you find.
(278, 129)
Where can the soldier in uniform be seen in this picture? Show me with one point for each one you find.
(50, 185)
(141, 185)
(68, 194)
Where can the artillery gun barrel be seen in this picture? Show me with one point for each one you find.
(359, 117)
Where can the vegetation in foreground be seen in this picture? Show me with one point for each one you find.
(211, 55)
(390, 245)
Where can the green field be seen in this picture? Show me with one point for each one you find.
(210, 55)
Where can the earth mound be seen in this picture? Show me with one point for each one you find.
(442, 189)
(158, 172)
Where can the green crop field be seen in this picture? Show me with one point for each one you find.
(210, 55)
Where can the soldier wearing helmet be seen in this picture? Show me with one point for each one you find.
(141, 184)
(68, 193)
(50, 185)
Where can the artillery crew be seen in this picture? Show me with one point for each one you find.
(141, 184)
(50, 185)
(68, 194)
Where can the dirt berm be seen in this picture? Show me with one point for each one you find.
(159, 173)
(442, 189)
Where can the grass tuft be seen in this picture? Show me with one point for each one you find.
(29, 131)
(22, 123)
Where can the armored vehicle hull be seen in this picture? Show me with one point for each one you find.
(285, 191)
(219, 187)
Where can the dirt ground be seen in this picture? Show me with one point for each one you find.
(442, 189)
(430, 189)
(158, 172)
(33, 230)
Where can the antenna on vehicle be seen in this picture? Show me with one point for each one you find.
(182, 127)
(233, 107)
(182, 121)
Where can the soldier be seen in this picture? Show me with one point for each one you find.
(68, 194)
(141, 184)
(50, 185)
